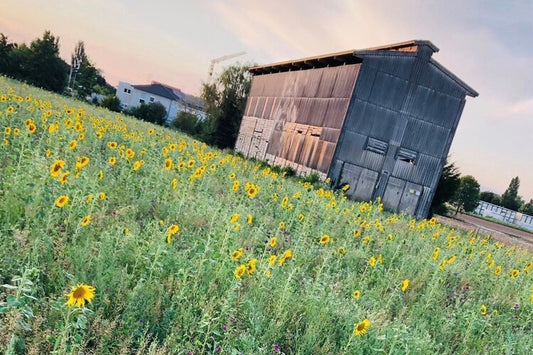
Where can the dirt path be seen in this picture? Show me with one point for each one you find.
(499, 232)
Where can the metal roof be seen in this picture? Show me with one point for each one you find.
(160, 90)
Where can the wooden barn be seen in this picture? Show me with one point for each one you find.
(380, 119)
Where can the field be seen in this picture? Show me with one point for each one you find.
(117, 236)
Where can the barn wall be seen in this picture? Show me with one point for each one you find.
(398, 131)
(295, 118)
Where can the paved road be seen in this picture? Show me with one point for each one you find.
(499, 232)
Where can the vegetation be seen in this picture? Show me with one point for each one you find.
(446, 189)
(153, 112)
(467, 197)
(510, 198)
(118, 236)
(490, 197)
(187, 122)
(225, 101)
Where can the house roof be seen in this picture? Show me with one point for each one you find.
(353, 56)
(161, 90)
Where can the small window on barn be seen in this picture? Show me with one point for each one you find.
(376, 146)
(407, 155)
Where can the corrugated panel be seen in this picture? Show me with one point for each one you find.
(260, 106)
(393, 193)
(425, 137)
(304, 106)
(336, 113)
(352, 147)
(269, 104)
(372, 160)
(313, 81)
(330, 134)
(424, 202)
(410, 197)
(388, 91)
(317, 111)
(403, 170)
(250, 106)
(435, 107)
(345, 82)
(425, 170)
(326, 156)
(365, 185)
(325, 88)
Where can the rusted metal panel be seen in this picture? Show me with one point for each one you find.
(345, 82)
(336, 113)
(325, 89)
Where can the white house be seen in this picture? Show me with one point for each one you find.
(172, 98)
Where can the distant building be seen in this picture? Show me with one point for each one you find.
(503, 214)
(380, 119)
(172, 98)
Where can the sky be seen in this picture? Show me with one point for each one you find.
(485, 43)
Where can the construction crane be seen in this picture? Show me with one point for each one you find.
(218, 60)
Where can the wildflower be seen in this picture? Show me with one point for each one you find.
(250, 266)
(436, 253)
(341, 251)
(85, 221)
(234, 218)
(112, 161)
(514, 273)
(324, 240)
(168, 164)
(483, 310)
(16, 131)
(268, 273)
(356, 294)
(112, 145)
(250, 219)
(239, 271)
(173, 229)
(272, 260)
(405, 285)
(73, 144)
(273, 241)
(452, 259)
(31, 127)
(362, 327)
(372, 261)
(498, 270)
(62, 201)
(55, 168)
(252, 191)
(237, 254)
(102, 196)
(443, 264)
(366, 240)
(174, 183)
(79, 294)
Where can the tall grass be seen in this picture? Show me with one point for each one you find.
(422, 287)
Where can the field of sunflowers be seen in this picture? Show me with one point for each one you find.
(117, 236)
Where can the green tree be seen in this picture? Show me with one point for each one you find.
(6, 50)
(527, 208)
(111, 102)
(83, 74)
(490, 197)
(44, 67)
(467, 197)
(510, 197)
(186, 122)
(153, 112)
(225, 100)
(446, 189)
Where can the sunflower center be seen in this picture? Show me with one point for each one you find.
(79, 292)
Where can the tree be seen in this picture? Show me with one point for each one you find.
(186, 122)
(490, 197)
(6, 50)
(510, 197)
(153, 112)
(83, 74)
(467, 197)
(225, 100)
(45, 68)
(448, 185)
(527, 208)
(111, 102)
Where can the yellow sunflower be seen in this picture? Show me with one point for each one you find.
(405, 285)
(356, 294)
(73, 144)
(273, 241)
(62, 201)
(239, 271)
(79, 294)
(237, 254)
(85, 221)
(55, 168)
(361, 327)
(173, 229)
(324, 240)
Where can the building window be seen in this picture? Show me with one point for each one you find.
(407, 155)
(376, 146)
(127, 91)
(141, 101)
(151, 99)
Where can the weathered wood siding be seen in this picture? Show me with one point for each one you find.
(295, 118)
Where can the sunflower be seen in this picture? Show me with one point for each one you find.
(112, 145)
(191, 163)
(324, 240)
(130, 153)
(514, 273)
(62, 201)
(272, 260)
(168, 164)
(112, 161)
(372, 261)
(102, 196)
(55, 168)
(341, 251)
(452, 259)
(301, 217)
(83, 162)
(498, 270)
(16, 131)
(234, 218)
(239, 271)
(73, 144)
(284, 257)
(232, 176)
(362, 327)
(137, 165)
(405, 285)
(237, 254)
(79, 294)
(64, 178)
(273, 241)
(173, 229)
(282, 225)
(31, 127)
(357, 233)
(89, 198)
(7, 131)
(85, 221)
(436, 253)
(483, 310)
(356, 294)
(252, 190)
(174, 183)
(250, 266)
(236, 185)
(250, 219)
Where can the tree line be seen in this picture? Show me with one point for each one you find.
(39, 64)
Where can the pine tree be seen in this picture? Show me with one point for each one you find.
(510, 197)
